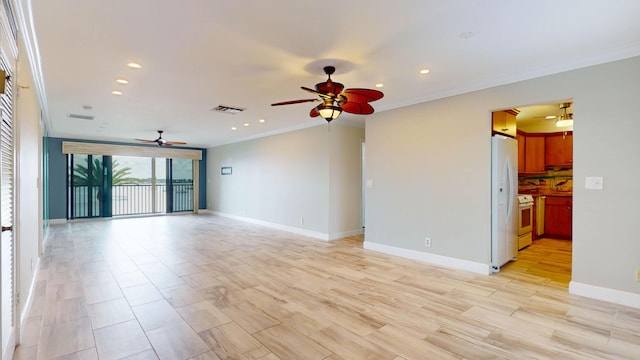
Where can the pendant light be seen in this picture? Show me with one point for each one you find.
(565, 120)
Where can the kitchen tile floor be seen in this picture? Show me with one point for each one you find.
(206, 287)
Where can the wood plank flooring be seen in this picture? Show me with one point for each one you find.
(547, 259)
(205, 287)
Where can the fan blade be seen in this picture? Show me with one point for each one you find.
(362, 95)
(146, 141)
(362, 108)
(321, 94)
(294, 102)
(169, 143)
(314, 112)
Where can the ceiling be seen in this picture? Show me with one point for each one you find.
(541, 118)
(199, 54)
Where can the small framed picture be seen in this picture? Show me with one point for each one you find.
(226, 170)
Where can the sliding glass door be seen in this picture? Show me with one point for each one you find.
(105, 186)
(133, 187)
(86, 186)
(180, 178)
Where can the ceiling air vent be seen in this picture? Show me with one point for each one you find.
(228, 109)
(81, 117)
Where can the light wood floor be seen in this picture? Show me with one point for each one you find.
(547, 260)
(205, 287)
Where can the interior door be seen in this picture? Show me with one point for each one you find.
(7, 247)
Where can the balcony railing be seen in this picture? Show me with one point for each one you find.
(138, 199)
(133, 199)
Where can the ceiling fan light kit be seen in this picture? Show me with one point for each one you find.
(337, 99)
(329, 112)
(565, 120)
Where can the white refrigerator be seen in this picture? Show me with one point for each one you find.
(504, 207)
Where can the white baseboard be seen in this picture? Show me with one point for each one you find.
(429, 258)
(309, 233)
(605, 294)
(24, 314)
(57, 221)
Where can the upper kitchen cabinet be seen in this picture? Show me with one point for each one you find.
(504, 122)
(534, 157)
(559, 149)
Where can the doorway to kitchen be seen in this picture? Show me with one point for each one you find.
(544, 134)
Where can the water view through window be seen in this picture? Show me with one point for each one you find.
(104, 186)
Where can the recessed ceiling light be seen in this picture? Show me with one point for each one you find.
(261, 120)
(134, 65)
(425, 71)
(234, 128)
(116, 92)
(246, 124)
(379, 85)
(122, 81)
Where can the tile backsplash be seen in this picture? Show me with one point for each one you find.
(552, 181)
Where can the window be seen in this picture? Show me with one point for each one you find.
(105, 186)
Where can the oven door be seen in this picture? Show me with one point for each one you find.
(525, 219)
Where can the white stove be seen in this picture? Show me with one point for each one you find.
(525, 220)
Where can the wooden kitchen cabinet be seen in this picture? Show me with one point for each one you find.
(559, 149)
(504, 122)
(531, 148)
(534, 159)
(521, 151)
(558, 217)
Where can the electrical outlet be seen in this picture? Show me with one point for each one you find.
(301, 220)
(427, 241)
(638, 275)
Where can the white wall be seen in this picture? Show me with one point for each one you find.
(430, 164)
(28, 150)
(607, 143)
(345, 180)
(284, 180)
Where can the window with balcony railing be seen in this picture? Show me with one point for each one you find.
(105, 186)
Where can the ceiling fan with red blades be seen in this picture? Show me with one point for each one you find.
(336, 99)
(162, 142)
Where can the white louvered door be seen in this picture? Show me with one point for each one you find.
(7, 248)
